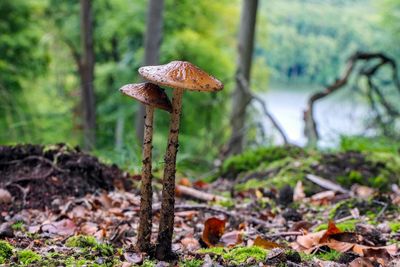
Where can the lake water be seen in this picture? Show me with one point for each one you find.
(342, 113)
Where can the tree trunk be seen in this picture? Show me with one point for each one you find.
(152, 44)
(241, 99)
(86, 71)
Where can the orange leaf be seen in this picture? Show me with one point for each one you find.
(200, 184)
(332, 229)
(214, 228)
(261, 242)
(185, 182)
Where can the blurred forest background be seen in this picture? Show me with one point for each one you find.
(299, 45)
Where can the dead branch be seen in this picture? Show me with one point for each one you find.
(197, 194)
(245, 86)
(326, 184)
(310, 129)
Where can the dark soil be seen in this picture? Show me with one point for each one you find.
(36, 175)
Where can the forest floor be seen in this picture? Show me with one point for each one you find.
(280, 206)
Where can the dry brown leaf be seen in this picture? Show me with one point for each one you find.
(310, 240)
(261, 242)
(64, 227)
(361, 262)
(190, 244)
(214, 228)
(5, 196)
(231, 239)
(362, 191)
(323, 198)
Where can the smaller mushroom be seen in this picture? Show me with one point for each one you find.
(152, 96)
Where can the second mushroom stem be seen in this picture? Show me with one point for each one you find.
(164, 239)
(145, 222)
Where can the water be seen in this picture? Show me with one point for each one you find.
(342, 113)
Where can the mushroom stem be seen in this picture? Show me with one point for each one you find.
(146, 192)
(166, 228)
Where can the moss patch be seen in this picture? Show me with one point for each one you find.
(27, 257)
(81, 241)
(346, 226)
(237, 255)
(6, 251)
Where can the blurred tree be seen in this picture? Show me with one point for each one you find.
(152, 42)
(245, 54)
(20, 62)
(85, 64)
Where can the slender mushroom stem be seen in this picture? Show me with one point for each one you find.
(164, 239)
(146, 192)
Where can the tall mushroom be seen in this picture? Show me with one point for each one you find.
(179, 75)
(153, 97)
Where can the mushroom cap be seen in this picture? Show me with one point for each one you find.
(149, 94)
(181, 74)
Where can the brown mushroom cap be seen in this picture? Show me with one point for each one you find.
(181, 74)
(149, 94)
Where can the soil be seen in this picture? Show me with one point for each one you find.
(35, 175)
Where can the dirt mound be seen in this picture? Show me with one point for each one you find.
(36, 175)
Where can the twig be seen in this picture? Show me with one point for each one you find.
(200, 195)
(324, 183)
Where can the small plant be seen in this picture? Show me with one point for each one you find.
(81, 241)
(191, 263)
(18, 226)
(237, 255)
(26, 257)
(6, 251)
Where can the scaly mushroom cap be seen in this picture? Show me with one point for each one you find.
(149, 94)
(181, 74)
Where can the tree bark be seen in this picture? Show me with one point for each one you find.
(164, 239)
(152, 44)
(86, 71)
(245, 52)
(146, 192)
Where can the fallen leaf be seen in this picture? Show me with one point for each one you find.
(261, 242)
(214, 228)
(362, 191)
(231, 239)
(323, 198)
(332, 229)
(135, 258)
(361, 262)
(5, 196)
(190, 244)
(200, 184)
(185, 181)
(310, 240)
(64, 227)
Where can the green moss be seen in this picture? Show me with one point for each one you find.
(237, 255)
(6, 251)
(228, 203)
(18, 226)
(332, 255)
(26, 257)
(241, 254)
(191, 263)
(104, 250)
(251, 159)
(148, 263)
(346, 226)
(306, 257)
(81, 241)
(394, 226)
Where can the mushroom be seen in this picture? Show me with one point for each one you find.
(179, 75)
(152, 96)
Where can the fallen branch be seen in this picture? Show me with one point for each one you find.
(197, 194)
(326, 184)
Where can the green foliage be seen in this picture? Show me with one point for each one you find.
(27, 257)
(346, 226)
(6, 251)
(18, 226)
(81, 241)
(191, 263)
(252, 159)
(394, 226)
(368, 144)
(237, 255)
